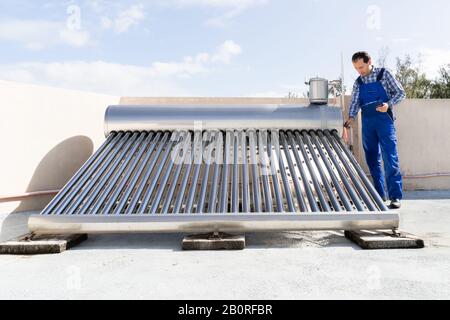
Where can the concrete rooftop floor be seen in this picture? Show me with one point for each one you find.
(289, 265)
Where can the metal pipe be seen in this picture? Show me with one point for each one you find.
(69, 196)
(222, 117)
(323, 177)
(166, 176)
(207, 166)
(295, 180)
(352, 175)
(23, 196)
(317, 186)
(198, 223)
(198, 159)
(235, 176)
(355, 198)
(274, 175)
(119, 188)
(262, 145)
(255, 173)
(179, 167)
(311, 200)
(134, 200)
(284, 179)
(99, 186)
(361, 173)
(330, 170)
(137, 173)
(245, 179)
(90, 184)
(224, 189)
(79, 174)
(154, 180)
(187, 173)
(218, 158)
(115, 173)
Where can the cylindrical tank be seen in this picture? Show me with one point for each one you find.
(318, 91)
(183, 117)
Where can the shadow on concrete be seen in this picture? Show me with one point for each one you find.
(138, 241)
(14, 225)
(55, 169)
(298, 239)
(275, 240)
(427, 195)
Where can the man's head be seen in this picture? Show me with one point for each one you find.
(362, 63)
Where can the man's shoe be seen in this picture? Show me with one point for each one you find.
(395, 204)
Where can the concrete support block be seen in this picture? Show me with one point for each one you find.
(214, 241)
(384, 239)
(45, 244)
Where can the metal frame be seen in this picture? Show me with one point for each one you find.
(174, 223)
(269, 180)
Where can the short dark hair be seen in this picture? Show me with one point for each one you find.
(361, 55)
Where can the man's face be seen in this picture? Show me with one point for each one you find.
(363, 68)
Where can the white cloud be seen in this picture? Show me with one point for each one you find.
(128, 18)
(433, 59)
(161, 78)
(39, 34)
(125, 19)
(233, 8)
(226, 52)
(74, 38)
(106, 23)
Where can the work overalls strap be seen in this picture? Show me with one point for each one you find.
(379, 138)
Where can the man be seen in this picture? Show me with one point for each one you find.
(375, 93)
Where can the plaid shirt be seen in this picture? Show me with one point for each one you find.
(393, 88)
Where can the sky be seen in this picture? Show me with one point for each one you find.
(256, 48)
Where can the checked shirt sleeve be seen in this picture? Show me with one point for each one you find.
(395, 89)
(354, 105)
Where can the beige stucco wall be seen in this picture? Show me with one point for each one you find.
(45, 136)
(423, 131)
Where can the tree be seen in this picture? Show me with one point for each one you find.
(415, 82)
(337, 88)
(383, 56)
(440, 88)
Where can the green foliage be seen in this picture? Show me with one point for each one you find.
(417, 85)
(440, 88)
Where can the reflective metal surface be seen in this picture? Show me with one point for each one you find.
(212, 222)
(283, 117)
(318, 91)
(234, 180)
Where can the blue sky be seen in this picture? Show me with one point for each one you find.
(211, 47)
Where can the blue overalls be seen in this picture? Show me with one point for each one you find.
(379, 138)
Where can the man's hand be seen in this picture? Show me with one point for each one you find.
(349, 123)
(383, 108)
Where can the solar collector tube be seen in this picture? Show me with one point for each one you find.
(143, 182)
(353, 195)
(342, 195)
(136, 174)
(97, 175)
(149, 192)
(79, 174)
(352, 175)
(362, 174)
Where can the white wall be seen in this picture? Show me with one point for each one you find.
(45, 136)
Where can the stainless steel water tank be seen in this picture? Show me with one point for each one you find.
(318, 91)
